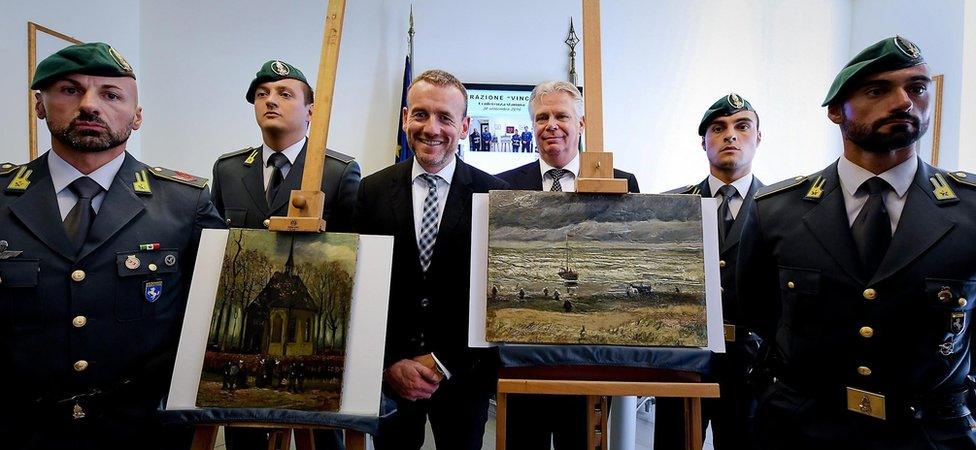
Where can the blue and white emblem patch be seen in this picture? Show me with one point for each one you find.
(153, 290)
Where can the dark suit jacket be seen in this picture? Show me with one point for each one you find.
(802, 288)
(729, 248)
(529, 178)
(428, 312)
(126, 336)
(238, 189)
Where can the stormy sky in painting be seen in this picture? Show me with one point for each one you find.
(535, 216)
(309, 248)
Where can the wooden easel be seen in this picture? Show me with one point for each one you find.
(596, 176)
(304, 216)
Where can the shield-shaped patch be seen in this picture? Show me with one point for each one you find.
(153, 290)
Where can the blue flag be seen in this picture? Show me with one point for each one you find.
(403, 151)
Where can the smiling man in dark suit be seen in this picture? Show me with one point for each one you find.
(556, 109)
(730, 136)
(425, 203)
(253, 184)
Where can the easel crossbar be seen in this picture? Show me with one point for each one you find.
(567, 387)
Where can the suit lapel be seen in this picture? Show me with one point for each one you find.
(292, 182)
(38, 209)
(704, 189)
(119, 207)
(922, 224)
(828, 223)
(401, 189)
(533, 176)
(736, 231)
(455, 207)
(253, 181)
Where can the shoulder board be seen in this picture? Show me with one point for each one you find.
(689, 189)
(781, 186)
(179, 177)
(238, 152)
(6, 168)
(340, 156)
(963, 178)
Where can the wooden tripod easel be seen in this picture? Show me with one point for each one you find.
(596, 176)
(305, 216)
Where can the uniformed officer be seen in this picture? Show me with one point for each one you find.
(730, 135)
(516, 141)
(862, 277)
(485, 139)
(253, 184)
(96, 254)
(527, 140)
(474, 141)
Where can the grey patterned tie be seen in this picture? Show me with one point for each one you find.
(428, 222)
(556, 174)
(80, 218)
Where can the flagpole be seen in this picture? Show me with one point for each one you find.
(410, 34)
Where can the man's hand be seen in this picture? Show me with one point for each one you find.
(411, 380)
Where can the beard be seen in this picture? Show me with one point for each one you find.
(870, 138)
(88, 140)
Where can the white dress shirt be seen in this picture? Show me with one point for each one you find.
(63, 174)
(291, 152)
(568, 181)
(420, 192)
(899, 177)
(741, 185)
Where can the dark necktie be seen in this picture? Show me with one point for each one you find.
(725, 219)
(872, 227)
(428, 221)
(556, 174)
(277, 160)
(80, 218)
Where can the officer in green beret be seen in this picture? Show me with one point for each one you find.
(253, 184)
(96, 254)
(861, 277)
(730, 135)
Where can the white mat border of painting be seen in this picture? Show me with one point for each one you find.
(362, 377)
(479, 276)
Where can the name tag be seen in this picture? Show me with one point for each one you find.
(867, 403)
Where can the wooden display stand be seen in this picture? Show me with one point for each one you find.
(596, 176)
(598, 382)
(305, 216)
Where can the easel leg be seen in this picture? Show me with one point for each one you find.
(596, 422)
(304, 439)
(693, 425)
(355, 440)
(280, 439)
(205, 437)
(501, 403)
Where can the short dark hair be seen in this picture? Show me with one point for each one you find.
(442, 78)
(309, 95)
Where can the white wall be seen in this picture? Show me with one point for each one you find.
(967, 97)
(111, 21)
(937, 27)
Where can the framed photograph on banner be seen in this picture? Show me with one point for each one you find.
(41, 43)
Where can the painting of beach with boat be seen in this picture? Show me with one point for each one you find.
(567, 268)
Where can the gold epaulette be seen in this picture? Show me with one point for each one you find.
(781, 186)
(963, 178)
(6, 168)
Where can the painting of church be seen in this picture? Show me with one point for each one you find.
(279, 320)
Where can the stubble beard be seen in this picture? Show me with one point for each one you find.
(90, 141)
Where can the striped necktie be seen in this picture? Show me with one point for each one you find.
(428, 222)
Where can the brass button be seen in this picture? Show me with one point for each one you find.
(721, 263)
(78, 275)
(266, 222)
(867, 332)
(870, 294)
(961, 174)
(864, 370)
(228, 221)
(80, 365)
(79, 321)
(962, 301)
(152, 267)
(790, 284)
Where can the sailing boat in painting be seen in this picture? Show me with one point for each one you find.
(567, 273)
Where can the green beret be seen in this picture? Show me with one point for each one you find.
(725, 106)
(274, 70)
(93, 58)
(889, 54)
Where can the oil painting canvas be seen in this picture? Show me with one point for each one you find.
(565, 268)
(280, 322)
